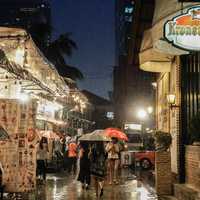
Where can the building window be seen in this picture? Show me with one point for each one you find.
(110, 115)
(128, 10)
(128, 18)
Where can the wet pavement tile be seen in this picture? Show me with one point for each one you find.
(65, 187)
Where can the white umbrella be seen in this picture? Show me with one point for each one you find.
(96, 136)
(49, 135)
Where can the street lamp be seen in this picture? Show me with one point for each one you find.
(171, 99)
(142, 114)
(154, 84)
(150, 109)
(147, 129)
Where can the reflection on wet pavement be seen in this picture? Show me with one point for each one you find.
(64, 187)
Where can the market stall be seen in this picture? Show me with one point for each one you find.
(31, 93)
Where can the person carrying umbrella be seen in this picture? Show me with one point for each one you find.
(113, 150)
(84, 172)
(98, 157)
(98, 166)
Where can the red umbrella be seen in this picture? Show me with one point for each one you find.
(116, 133)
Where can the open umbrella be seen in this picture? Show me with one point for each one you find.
(95, 136)
(49, 135)
(115, 133)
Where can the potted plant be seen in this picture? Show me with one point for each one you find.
(194, 130)
(163, 140)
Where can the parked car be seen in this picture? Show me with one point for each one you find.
(146, 159)
(140, 150)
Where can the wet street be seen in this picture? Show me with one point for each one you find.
(64, 186)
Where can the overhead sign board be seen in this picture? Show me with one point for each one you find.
(183, 31)
(132, 126)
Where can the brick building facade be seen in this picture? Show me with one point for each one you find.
(178, 73)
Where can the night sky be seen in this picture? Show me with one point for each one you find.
(91, 23)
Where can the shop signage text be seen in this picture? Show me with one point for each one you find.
(183, 31)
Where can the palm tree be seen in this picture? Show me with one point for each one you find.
(64, 44)
(57, 50)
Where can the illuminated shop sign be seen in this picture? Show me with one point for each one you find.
(130, 126)
(183, 31)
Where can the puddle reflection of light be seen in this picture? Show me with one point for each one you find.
(58, 192)
(55, 188)
(55, 178)
(135, 195)
(142, 194)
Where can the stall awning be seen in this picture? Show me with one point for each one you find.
(20, 73)
(150, 59)
(24, 56)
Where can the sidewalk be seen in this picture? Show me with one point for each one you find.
(63, 186)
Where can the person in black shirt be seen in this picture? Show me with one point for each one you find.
(98, 166)
(84, 173)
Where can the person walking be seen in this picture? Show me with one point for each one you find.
(65, 142)
(72, 156)
(113, 151)
(84, 171)
(42, 153)
(98, 166)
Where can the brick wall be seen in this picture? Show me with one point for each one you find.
(184, 192)
(175, 117)
(192, 159)
(163, 173)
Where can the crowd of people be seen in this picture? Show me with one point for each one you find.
(92, 161)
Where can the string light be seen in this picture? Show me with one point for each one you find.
(23, 97)
(19, 56)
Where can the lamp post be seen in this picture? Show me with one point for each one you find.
(150, 110)
(145, 115)
(171, 99)
(142, 115)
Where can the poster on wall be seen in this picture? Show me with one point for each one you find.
(18, 155)
(183, 31)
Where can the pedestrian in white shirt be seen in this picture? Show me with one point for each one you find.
(113, 151)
